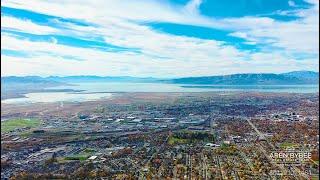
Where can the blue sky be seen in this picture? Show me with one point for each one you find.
(164, 38)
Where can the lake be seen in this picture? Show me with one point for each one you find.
(47, 97)
(162, 87)
(98, 90)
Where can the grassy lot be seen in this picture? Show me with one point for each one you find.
(12, 124)
(287, 145)
(82, 156)
(189, 137)
(227, 149)
(173, 140)
(89, 150)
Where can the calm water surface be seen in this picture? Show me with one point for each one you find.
(162, 87)
(98, 90)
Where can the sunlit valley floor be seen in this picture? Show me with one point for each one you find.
(212, 135)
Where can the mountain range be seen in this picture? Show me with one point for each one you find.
(290, 78)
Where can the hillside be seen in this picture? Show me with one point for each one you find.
(291, 78)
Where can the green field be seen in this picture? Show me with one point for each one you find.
(287, 145)
(77, 157)
(174, 140)
(189, 137)
(12, 124)
(82, 156)
(89, 150)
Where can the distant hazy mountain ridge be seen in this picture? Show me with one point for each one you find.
(294, 78)
(308, 75)
(297, 77)
(28, 80)
(72, 79)
(13, 86)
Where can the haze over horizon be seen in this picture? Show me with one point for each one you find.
(48, 76)
(161, 39)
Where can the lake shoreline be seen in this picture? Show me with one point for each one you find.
(95, 91)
